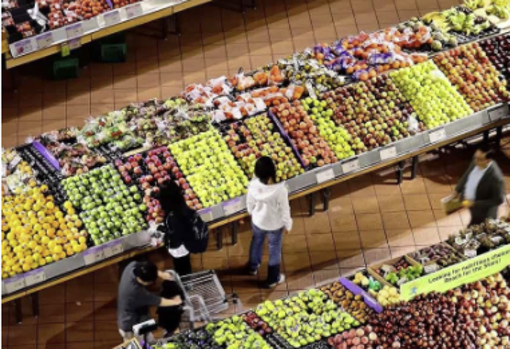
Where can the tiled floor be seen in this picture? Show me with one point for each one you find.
(370, 218)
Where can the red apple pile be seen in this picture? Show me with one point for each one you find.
(314, 150)
(256, 323)
(498, 51)
(471, 72)
(361, 338)
(374, 112)
(151, 170)
(87, 9)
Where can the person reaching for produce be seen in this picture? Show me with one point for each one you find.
(482, 187)
(134, 299)
(268, 205)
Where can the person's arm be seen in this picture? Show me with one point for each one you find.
(459, 188)
(170, 302)
(165, 275)
(250, 202)
(285, 208)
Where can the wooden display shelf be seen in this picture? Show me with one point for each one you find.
(11, 62)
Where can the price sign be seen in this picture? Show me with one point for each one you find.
(74, 30)
(22, 47)
(134, 10)
(431, 268)
(350, 166)
(470, 253)
(232, 206)
(206, 215)
(498, 113)
(35, 277)
(111, 18)
(437, 135)
(388, 153)
(93, 255)
(112, 248)
(14, 283)
(325, 175)
(44, 40)
(14, 162)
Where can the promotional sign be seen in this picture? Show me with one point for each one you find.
(472, 270)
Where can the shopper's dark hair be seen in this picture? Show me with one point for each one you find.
(265, 169)
(487, 150)
(171, 197)
(146, 271)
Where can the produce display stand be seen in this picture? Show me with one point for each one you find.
(109, 23)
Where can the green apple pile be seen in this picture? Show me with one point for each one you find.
(256, 137)
(234, 333)
(431, 94)
(210, 168)
(336, 136)
(109, 208)
(305, 318)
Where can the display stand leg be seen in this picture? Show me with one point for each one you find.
(172, 21)
(326, 194)
(35, 303)
(219, 238)
(17, 311)
(311, 208)
(414, 168)
(499, 135)
(485, 136)
(235, 231)
(400, 172)
(240, 7)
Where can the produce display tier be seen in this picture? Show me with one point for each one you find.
(108, 23)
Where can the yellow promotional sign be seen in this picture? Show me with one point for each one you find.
(456, 275)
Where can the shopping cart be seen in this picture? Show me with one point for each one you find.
(204, 296)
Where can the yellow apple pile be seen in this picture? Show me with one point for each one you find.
(35, 232)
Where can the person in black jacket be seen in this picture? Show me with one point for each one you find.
(178, 224)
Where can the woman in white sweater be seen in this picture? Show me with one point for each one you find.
(268, 205)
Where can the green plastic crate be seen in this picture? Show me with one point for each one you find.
(112, 53)
(66, 68)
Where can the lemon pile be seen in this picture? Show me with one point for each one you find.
(36, 232)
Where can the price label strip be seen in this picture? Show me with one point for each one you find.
(74, 30)
(499, 113)
(388, 153)
(437, 135)
(350, 166)
(44, 40)
(112, 18)
(14, 283)
(112, 248)
(134, 10)
(22, 47)
(35, 277)
(93, 255)
(232, 206)
(206, 215)
(325, 176)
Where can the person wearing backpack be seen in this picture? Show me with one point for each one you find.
(185, 231)
(268, 205)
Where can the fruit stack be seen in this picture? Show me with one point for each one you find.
(375, 113)
(468, 68)
(19, 176)
(314, 150)
(305, 318)
(109, 208)
(348, 301)
(235, 333)
(148, 171)
(210, 168)
(498, 51)
(431, 94)
(255, 137)
(36, 232)
(336, 135)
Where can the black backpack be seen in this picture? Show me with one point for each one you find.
(197, 241)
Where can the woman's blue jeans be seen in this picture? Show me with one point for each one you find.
(275, 251)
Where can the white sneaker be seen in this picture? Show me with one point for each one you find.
(280, 281)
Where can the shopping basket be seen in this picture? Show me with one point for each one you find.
(204, 296)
